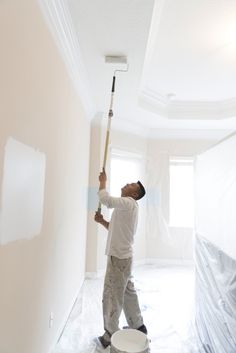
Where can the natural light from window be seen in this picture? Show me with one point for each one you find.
(181, 193)
(125, 168)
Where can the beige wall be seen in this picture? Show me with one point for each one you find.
(40, 108)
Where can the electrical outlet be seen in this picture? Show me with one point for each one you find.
(51, 319)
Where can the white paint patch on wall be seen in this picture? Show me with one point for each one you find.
(22, 192)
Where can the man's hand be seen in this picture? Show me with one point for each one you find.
(98, 217)
(102, 179)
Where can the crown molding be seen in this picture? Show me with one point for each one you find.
(181, 110)
(153, 101)
(60, 23)
(207, 110)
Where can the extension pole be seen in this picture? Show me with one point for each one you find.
(110, 115)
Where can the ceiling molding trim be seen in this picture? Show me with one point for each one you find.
(188, 134)
(152, 101)
(60, 23)
(191, 110)
(202, 110)
(155, 96)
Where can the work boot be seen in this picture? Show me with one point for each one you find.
(105, 340)
(143, 329)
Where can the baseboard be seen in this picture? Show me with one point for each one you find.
(96, 274)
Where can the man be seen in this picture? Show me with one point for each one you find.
(119, 292)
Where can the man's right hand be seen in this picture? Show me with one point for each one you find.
(98, 217)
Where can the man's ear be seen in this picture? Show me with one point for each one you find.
(135, 195)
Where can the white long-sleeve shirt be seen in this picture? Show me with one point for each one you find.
(122, 226)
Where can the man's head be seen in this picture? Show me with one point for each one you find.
(134, 190)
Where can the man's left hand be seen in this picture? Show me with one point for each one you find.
(102, 179)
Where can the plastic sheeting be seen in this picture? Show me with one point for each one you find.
(215, 194)
(166, 297)
(215, 320)
(157, 206)
(215, 249)
(166, 300)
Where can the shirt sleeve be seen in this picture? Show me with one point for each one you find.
(123, 203)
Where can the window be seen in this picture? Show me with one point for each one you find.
(181, 192)
(125, 168)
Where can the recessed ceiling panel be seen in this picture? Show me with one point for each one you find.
(194, 51)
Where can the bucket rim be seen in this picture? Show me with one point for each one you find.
(122, 348)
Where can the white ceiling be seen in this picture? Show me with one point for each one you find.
(182, 63)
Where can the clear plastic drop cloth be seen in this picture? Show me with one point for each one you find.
(215, 195)
(186, 309)
(166, 297)
(215, 248)
(214, 329)
(157, 208)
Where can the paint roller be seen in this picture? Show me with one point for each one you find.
(121, 66)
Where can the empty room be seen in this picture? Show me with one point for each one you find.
(118, 176)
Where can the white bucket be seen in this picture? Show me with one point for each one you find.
(129, 341)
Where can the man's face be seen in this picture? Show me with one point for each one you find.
(130, 190)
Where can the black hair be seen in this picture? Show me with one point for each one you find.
(142, 190)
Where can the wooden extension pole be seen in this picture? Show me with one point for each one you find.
(110, 115)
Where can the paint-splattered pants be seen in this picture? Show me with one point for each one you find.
(119, 293)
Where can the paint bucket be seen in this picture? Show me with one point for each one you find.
(129, 341)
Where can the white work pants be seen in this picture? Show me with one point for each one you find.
(119, 293)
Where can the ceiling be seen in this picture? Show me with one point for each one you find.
(182, 63)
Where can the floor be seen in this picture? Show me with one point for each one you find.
(166, 295)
